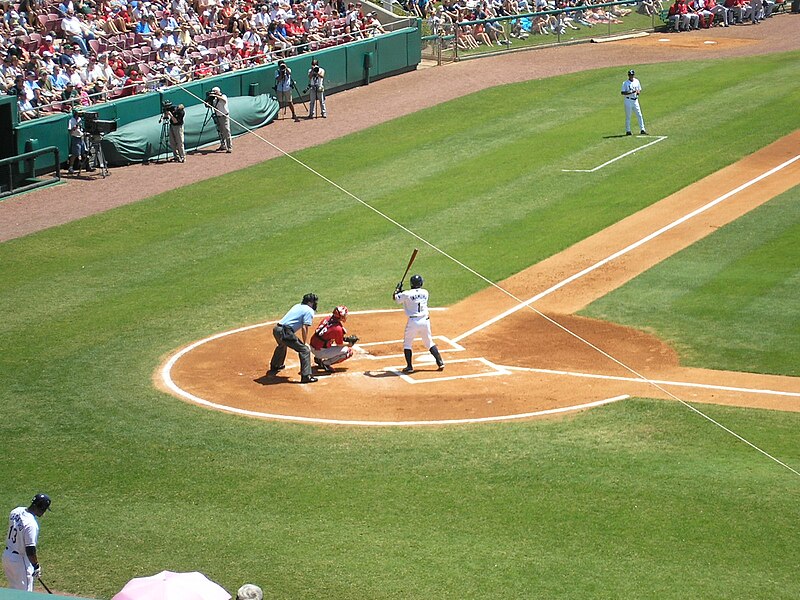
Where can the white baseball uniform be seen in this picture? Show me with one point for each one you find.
(23, 530)
(631, 89)
(415, 305)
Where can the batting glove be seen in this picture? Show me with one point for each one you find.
(37, 571)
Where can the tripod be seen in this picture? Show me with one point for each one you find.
(211, 115)
(163, 140)
(94, 154)
(294, 87)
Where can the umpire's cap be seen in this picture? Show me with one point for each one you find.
(41, 501)
(631, 72)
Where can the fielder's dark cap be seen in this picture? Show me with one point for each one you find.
(631, 72)
(41, 501)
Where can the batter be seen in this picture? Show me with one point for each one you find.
(415, 305)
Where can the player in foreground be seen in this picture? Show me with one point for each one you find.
(415, 304)
(20, 562)
(330, 343)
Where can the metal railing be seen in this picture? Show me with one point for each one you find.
(22, 168)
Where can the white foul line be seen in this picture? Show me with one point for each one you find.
(627, 249)
(705, 386)
(659, 138)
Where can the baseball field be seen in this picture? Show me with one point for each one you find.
(639, 498)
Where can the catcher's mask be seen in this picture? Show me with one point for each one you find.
(311, 300)
(416, 281)
(340, 312)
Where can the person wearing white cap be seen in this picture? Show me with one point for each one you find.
(218, 102)
(249, 592)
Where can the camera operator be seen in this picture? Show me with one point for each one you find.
(316, 90)
(283, 87)
(174, 116)
(75, 128)
(218, 102)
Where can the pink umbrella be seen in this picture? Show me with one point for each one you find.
(172, 586)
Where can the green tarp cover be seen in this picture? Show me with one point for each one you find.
(142, 140)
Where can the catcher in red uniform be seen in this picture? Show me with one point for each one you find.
(330, 343)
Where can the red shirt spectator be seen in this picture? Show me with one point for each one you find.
(46, 45)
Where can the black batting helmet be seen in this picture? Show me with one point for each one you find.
(41, 501)
(416, 281)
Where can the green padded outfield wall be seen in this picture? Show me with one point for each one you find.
(391, 54)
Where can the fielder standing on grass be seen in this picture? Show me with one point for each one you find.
(415, 304)
(631, 88)
(20, 561)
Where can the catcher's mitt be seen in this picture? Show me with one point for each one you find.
(350, 339)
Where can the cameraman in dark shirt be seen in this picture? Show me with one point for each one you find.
(175, 114)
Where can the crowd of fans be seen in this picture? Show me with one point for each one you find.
(445, 18)
(80, 52)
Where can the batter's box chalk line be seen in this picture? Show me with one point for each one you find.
(445, 345)
(658, 138)
(493, 371)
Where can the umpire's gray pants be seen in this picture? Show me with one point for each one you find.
(286, 338)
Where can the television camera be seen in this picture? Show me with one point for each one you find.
(95, 126)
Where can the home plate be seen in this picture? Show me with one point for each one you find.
(462, 368)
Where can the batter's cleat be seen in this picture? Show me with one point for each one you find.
(643, 132)
(628, 133)
(440, 366)
(408, 370)
(308, 379)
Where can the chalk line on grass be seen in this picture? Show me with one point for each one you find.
(659, 138)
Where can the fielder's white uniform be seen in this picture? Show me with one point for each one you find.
(415, 305)
(23, 530)
(631, 89)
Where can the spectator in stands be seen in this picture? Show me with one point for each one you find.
(69, 97)
(47, 93)
(47, 62)
(76, 31)
(32, 90)
(66, 57)
(59, 79)
(83, 95)
(374, 26)
(261, 20)
(46, 45)
(143, 27)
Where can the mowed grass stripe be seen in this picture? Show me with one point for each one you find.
(729, 301)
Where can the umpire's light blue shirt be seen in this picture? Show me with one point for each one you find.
(298, 315)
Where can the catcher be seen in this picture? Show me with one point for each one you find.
(330, 343)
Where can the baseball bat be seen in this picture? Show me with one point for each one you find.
(410, 262)
(44, 585)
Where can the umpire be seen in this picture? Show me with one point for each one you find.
(299, 318)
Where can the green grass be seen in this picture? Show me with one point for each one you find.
(640, 500)
(729, 301)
